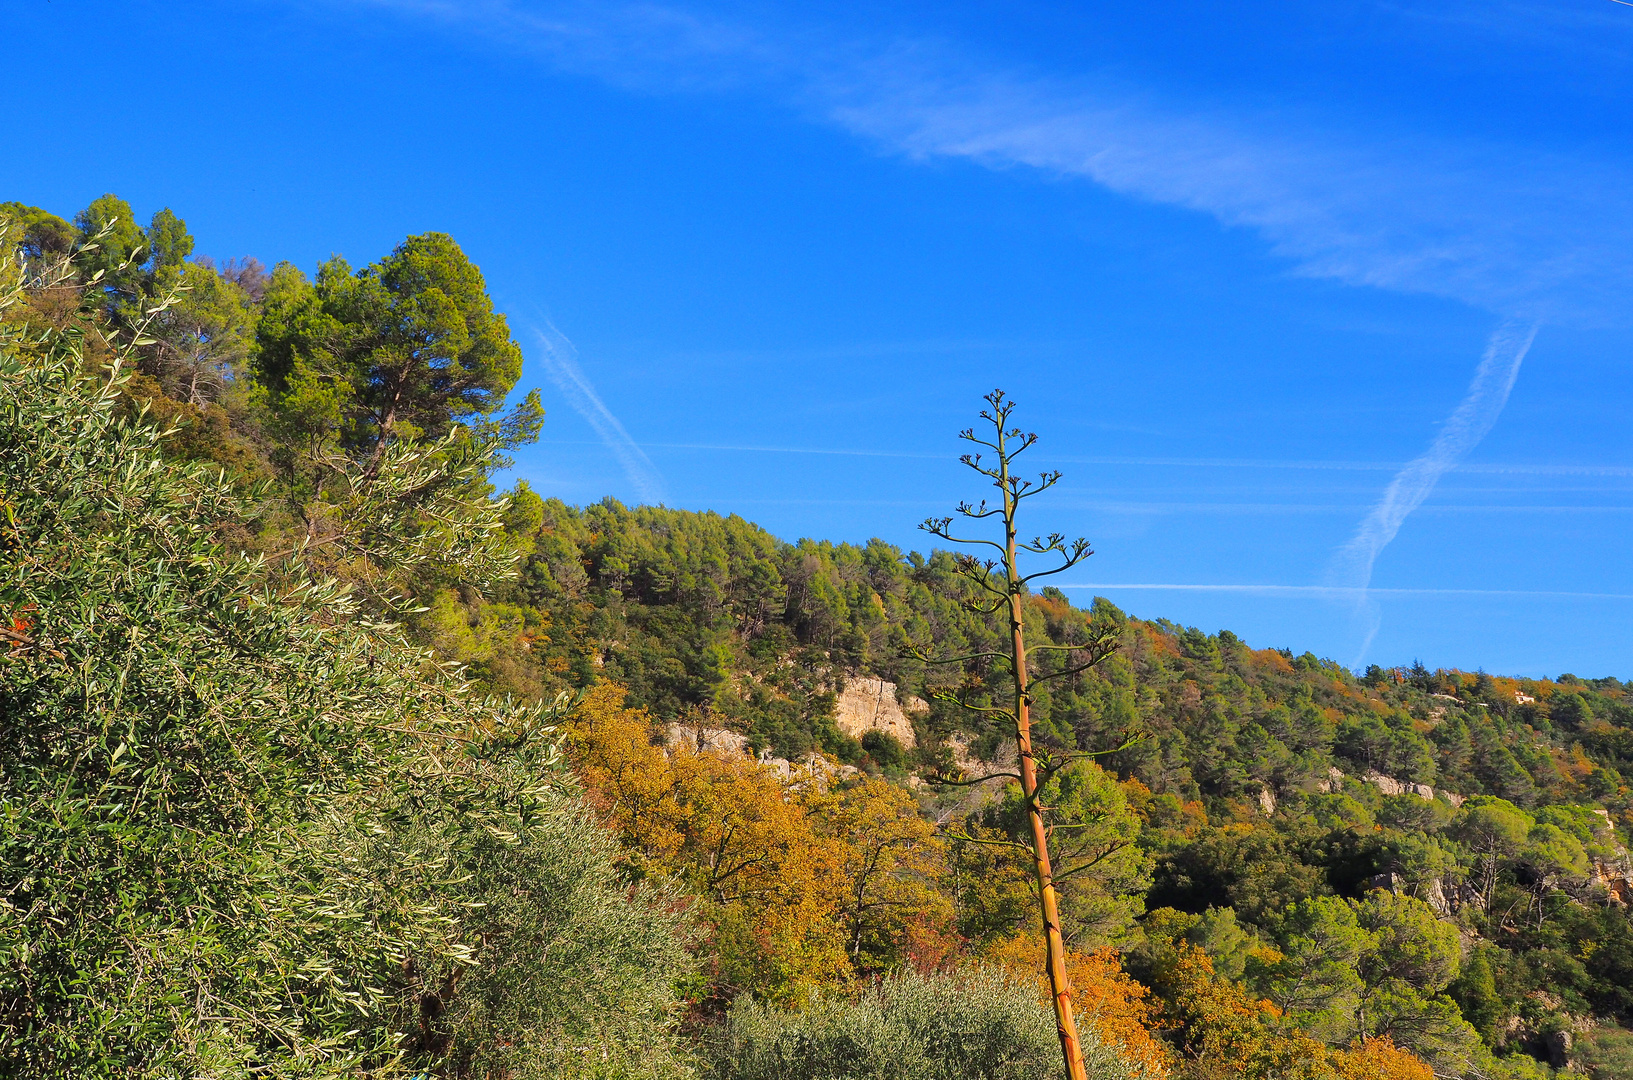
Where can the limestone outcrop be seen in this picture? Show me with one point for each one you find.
(1389, 786)
(865, 705)
(729, 744)
(705, 740)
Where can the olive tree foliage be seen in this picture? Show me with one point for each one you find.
(246, 831)
(419, 516)
(978, 1025)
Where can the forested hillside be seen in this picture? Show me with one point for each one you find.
(322, 755)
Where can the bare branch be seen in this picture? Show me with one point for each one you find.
(969, 435)
(993, 843)
(985, 710)
(976, 513)
(1097, 860)
(1046, 573)
(938, 527)
(924, 657)
(1078, 670)
(1055, 542)
(941, 781)
(1098, 643)
(1046, 480)
(1130, 738)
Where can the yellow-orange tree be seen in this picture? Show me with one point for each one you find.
(771, 889)
(1109, 1002)
(1222, 1031)
(892, 864)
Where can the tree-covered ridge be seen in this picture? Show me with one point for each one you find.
(1265, 779)
(1290, 870)
(693, 610)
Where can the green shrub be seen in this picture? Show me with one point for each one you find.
(885, 749)
(1604, 1053)
(244, 831)
(974, 1026)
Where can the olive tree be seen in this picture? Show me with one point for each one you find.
(246, 830)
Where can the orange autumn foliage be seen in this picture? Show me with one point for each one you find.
(1272, 660)
(1106, 1000)
(1224, 1033)
(770, 889)
(1114, 1006)
(1380, 1059)
(891, 860)
(1159, 643)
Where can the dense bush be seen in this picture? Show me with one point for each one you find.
(244, 831)
(977, 1026)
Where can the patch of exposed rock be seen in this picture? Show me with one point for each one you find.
(973, 767)
(866, 705)
(729, 744)
(1267, 800)
(1389, 786)
(705, 740)
(1615, 874)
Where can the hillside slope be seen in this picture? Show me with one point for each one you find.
(1288, 869)
(1261, 778)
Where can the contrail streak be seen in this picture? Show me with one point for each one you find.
(1463, 430)
(1329, 592)
(1487, 395)
(561, 361)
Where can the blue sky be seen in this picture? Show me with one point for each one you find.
(1321, 308)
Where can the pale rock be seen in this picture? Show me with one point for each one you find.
(1333, 782)
(1386, 784)
(1391, 786)
(974, 768)
(866, 705)
(729, 744)
(704, 740)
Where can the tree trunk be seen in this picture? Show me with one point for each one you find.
(379, 450)
(1060, 986)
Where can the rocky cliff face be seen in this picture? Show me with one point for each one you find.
(729, 744)
(866, 705)
(1388, 785)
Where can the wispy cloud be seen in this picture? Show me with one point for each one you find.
(1527, 233)
(1468, 222)
(560, 359)
(1515, 230)
(1247, 464)
(1468, 424)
